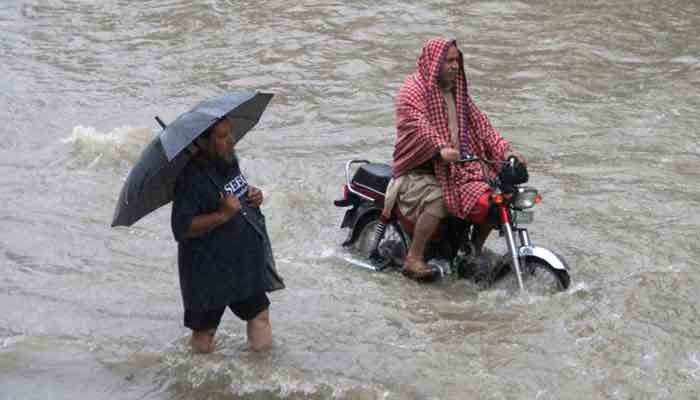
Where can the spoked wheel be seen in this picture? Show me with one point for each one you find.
(539, 278)
(392, 248)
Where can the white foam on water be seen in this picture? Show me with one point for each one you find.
(231, 373)
(119, 147)
(693, 370)
(328, 252)
(579, 287)
(7, 342)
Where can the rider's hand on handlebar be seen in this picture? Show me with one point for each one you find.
(449, 154)
(517, 155)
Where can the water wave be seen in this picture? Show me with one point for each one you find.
(221, 376)
(117, 148)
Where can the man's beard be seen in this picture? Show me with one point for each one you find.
(447, 84)
(223, 162)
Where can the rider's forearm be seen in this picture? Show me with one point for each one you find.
(425, 134)
(505, 149)
(205, 223)
(497, 146)
(434, 139)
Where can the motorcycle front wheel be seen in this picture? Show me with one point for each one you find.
(539, 278)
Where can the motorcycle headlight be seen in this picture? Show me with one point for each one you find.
(526, 197)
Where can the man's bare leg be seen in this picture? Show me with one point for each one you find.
(203, 341)
(260, 331)
(425, 227)
(480, 234)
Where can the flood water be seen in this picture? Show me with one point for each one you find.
(602, 97)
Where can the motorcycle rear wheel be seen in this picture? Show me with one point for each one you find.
(392, 248)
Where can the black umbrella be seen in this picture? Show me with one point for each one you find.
(151, 182)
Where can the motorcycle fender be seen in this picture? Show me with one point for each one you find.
(545, 255)
(353, 219)
(349, 218)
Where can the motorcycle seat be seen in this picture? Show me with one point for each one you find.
(374, 176)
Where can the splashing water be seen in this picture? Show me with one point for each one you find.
(118, 148)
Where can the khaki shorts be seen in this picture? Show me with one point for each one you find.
(415, 194)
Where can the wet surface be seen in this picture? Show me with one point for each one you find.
(601, 98)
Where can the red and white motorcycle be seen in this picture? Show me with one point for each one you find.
(385, 242)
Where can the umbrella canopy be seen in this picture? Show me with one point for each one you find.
(151, 182)
(243, 109)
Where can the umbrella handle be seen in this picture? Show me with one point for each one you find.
(160, 122)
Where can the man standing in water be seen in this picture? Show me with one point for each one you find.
(224, 254)
(437, 121)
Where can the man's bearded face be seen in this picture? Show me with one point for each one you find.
(450, 68)
(221, 142)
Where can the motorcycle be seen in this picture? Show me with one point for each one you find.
(384, 241)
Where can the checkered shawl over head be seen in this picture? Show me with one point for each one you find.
(422, 128)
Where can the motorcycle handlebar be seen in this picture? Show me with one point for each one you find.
(472, 157)
(467, 158)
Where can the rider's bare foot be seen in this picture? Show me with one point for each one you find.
(416, 268)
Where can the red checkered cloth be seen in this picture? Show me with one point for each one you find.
(422, 128)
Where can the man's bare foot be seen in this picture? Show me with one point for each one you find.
(202, 341)
(260, 332)
(416, 268)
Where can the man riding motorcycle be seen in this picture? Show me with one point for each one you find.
(437, 121)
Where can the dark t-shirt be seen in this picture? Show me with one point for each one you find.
(231, 262)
